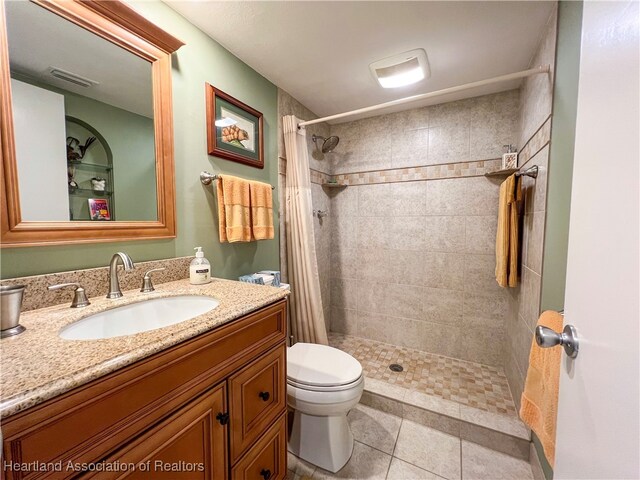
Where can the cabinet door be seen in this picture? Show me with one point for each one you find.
(257, 396)
(267, 459)
(191, 444)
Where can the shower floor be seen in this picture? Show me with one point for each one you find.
(472, 384)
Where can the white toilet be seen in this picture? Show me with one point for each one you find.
(323, 384)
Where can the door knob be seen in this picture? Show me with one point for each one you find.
(264, 396)
(223, 418)
(568, 339)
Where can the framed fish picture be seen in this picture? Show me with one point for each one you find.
(234, 129)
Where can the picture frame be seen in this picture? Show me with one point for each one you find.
(234, 129)
(99, 209)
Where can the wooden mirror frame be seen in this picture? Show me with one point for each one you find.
(119, 24)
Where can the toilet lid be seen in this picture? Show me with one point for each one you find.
(321, 365)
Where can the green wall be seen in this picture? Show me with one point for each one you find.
(563, 130)
(200, 60)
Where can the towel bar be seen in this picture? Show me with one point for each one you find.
(529, 172)
(206, 178)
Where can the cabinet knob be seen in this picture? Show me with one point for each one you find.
(223, 418)
(264, 396)
(266, 474)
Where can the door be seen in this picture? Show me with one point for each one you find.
(598, 417)
(191, 444)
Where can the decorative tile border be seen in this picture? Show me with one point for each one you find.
(429, 172)
(94, 281)
(536, 143)
(409, 174)
(316, 175)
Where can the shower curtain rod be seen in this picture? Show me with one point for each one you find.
(437, 93)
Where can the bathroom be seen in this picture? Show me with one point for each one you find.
(430, 226)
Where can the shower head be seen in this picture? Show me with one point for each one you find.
(328, 144)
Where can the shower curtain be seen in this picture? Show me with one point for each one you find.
(307, 316)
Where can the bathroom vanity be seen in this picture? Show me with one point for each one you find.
(203, 399)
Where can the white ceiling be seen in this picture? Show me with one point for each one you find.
(39, 39)
(319, 52)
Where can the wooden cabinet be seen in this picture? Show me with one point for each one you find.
(198, 410)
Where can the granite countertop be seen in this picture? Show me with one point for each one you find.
(38, 365)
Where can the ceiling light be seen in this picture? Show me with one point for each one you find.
(403, 69)
(72, 77)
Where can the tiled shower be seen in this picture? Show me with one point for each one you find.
(406, 255)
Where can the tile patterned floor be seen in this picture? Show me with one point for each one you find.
(392, 448)
(467, 383)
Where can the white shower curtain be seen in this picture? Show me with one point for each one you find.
(307, 316)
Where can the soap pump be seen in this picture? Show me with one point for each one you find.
(200, 269)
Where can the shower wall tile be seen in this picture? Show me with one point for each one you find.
(405, 266)
(533, 224)
(411, 231)
(529, 306)
(344, 321)
(535, 189)
(344, 293)
(463, 196)
(481, 234)
(475, 345)
(494, 123)
(395, 300)
(444, 270)
(485, 309)
(442, 306)
(344, 262)
(445, 234)
(471, 129)
(537, 90)
(534, 136)
(479, 274)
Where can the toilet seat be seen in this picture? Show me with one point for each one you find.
(324, 388)
(321, 368)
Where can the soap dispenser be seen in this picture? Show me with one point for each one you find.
(200, 269)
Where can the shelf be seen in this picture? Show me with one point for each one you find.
(334, 185)
(90, 166)
(87, 192)
(499, 173)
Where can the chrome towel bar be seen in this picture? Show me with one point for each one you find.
(529, 172)
(206, 178)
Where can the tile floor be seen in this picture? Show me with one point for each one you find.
(472, 384)
(388, 447)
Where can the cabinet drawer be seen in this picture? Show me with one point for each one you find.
(189, 445)
(257, 396)
(267, 459)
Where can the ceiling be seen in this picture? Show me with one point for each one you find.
(320, 52)
(39, 39)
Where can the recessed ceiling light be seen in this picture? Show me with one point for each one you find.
(403, 69)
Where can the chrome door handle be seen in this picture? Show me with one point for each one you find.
(568, 339)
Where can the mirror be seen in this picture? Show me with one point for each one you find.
(89, 144)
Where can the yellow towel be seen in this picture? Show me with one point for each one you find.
(507, 235)
(234, 215)
(539, 403)
(261, 210)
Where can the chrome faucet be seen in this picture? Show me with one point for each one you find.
(114, 284)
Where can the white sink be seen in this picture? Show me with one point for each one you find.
(139, 317)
